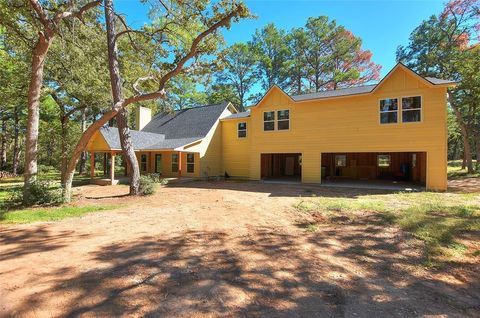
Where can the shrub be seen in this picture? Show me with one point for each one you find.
(41, 193)
(157, 178)
(43, 169)
(147, 186)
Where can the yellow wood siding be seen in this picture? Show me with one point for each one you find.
(348, 124)
(236, 151)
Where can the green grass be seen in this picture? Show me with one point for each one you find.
(435, 218)
(49, 214)
(455, 171)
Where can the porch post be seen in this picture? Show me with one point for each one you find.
(179, 164)
(112, 168)
(92, 164)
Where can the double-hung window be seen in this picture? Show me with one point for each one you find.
(174, 162)
(389, 111)
(143, 163)
(242, 130)
(190, 163)
(269, 121)
(283, 120)
(411, 109)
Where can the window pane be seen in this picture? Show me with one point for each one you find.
(190, 158)
(242, 126)
(283, 114)
(390, 117)
(411, 102)
(388, 104)
(175, 157)
(384, 160)
(270, 125)
(242, 133)
(340, 160)
(283, 124)
(190, 168)
(174, 167)
(409, 116)
(268, 116)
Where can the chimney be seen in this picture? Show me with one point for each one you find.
(143, 116)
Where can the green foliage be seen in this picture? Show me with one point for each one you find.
(42, 193)
(49, 214)
(147, 185)
(157, 178)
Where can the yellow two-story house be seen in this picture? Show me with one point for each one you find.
(393, 131)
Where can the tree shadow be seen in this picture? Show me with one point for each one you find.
(356, 269)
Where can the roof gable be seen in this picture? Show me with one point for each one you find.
(276, 95)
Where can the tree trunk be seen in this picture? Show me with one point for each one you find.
(3, 144)
(477, 152)
(16, 135)
(64, 159)
(33, 119)
(83, 158)
(467, 151)
(116, 83)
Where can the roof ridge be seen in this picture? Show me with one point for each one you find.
(337, 89)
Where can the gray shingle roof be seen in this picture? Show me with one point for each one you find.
(335, 93)
(186, 123)
(438, 81)
(170, 131)
(238, 115)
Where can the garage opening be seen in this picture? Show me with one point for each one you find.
(281, 166)
(381, 168)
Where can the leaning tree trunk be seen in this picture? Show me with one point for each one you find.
(116, 83)
(467, 151)
(33, 119)
(64, 159)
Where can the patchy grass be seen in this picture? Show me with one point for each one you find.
(435, 218)
(49, 214)
(455, 171)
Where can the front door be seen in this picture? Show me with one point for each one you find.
(158, 163)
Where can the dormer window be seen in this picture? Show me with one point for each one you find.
(242, 130)
(268, 121)
(389, 111)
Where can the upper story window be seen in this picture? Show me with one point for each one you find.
(389, 111)
(190, 162)
(283, 119)
(411, 109)
(242, 130)
(143, 162)
(269, 121)
(174, 162)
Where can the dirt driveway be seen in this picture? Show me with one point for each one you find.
(221, 250)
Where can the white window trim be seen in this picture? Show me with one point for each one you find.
(268, 121)
(379, 113)
(421, 109)
(277, 120)
(245, 130)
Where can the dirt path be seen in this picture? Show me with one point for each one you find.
(220, 250)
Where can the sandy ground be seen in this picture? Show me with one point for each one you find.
(222, 250)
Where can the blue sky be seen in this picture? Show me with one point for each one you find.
(382, 24)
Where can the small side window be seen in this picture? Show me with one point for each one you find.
(383, 161)
(242, 130)
(389, 111)
(268, 121)
(340, 160)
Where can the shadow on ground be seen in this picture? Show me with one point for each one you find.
(354, 270)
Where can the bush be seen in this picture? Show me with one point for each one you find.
(43, 169)
(157, 178)
(41, 193)
(147, 185)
